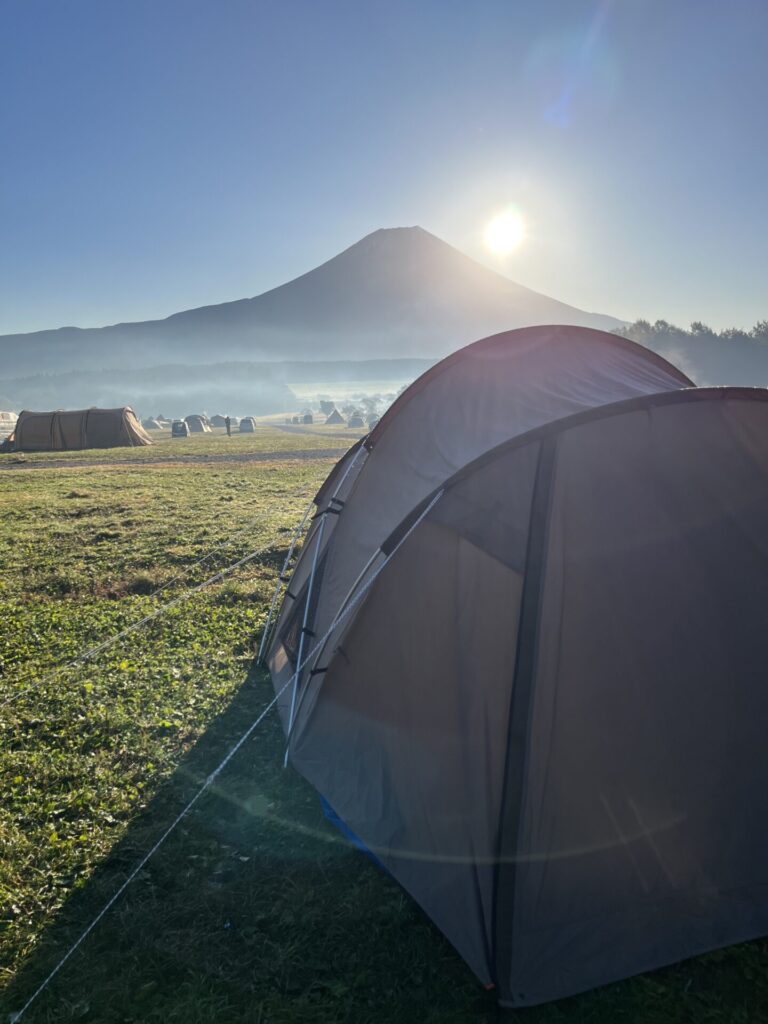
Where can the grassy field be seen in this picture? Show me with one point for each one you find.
(255, 910)
(266, 438)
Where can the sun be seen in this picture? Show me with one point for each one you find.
(504, 233)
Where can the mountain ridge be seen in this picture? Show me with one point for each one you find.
(402, 291)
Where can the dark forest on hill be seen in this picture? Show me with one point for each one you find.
(730, 356)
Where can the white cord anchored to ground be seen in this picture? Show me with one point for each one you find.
(98, 648)
(222, 764)
(232, 537)
(91, 652)
(147, 856)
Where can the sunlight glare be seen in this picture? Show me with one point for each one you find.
(504, 232)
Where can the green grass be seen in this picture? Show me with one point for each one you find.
(255, 910)
(266, 438)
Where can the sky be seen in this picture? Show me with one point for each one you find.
(157, 155)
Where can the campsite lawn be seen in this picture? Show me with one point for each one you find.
(267, 437)
(255, 910)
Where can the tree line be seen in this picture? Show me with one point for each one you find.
(662, 331)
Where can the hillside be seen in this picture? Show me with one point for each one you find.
(398, 292)
(241, 388)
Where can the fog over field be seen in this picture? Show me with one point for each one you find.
(374, 317)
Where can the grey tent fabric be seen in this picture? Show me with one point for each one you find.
(547, 715)
(486, 393)
(247, 425)
(334, 417)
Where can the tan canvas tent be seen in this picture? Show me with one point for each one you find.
(197, 424)
(70, 430)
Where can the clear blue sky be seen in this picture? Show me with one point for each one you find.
(163, 154)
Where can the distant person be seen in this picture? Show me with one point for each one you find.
(228, 425)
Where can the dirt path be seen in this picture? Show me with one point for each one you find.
(313, 453)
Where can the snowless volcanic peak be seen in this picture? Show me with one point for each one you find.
(397, 292)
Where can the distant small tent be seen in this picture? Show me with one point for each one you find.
(335, 419)
(219, 421)
(151, 424)
(197, 424)
(307, 418)
(356, 420)
(73, 430)
(294, 419)
(247, 425)
(179, 428)
(7, 423)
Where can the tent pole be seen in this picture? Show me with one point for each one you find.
(353, 599)
(299, 665)
(351, 591)
(297, 533)
(294, 539)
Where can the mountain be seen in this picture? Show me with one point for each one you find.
(399, 292)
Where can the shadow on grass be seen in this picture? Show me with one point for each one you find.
(256, 910)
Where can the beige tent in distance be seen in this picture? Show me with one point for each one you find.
(72, 430)
(7, 423)
(197, 424)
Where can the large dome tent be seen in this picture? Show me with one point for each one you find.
(545, 714)
(476, 398)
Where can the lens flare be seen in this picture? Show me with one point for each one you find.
(504, 233)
